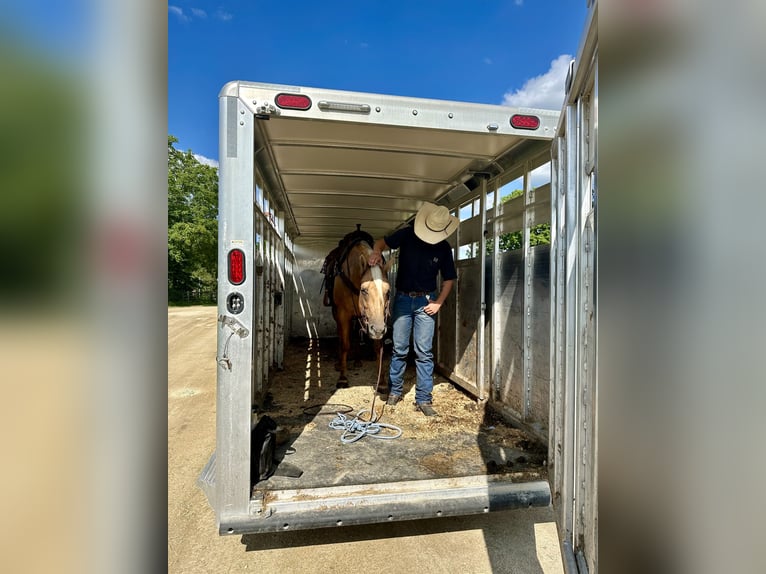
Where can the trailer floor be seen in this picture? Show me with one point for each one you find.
(523, 541)
(465, 439)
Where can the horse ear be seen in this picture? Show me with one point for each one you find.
(364, 261)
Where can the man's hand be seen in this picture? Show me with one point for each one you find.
(375, 258)
(432, 308)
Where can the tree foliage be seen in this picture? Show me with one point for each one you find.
(192, 223)
(538, 235)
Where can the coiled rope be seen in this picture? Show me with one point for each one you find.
(357, 428)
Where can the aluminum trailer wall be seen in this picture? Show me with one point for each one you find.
(494, 333)
(574, 397)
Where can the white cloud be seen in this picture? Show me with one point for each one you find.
(541, 175)
(223, 15)
(178, 12)
(195, 12)
(488, 61)
(206, 160)
(545, 91)
(518, 2)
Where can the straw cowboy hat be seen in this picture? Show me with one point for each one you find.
(433, 223)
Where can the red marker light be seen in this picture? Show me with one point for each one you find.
(523, 122)
(293, 101)
(236, 267)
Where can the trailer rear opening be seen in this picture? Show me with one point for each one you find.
(300, 168)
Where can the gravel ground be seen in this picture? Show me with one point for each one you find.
(515, 541)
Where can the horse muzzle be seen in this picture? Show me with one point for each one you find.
(376, 332)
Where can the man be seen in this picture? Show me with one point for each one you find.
(423, 254)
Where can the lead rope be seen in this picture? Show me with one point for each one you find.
(357, 428)
(377, 386)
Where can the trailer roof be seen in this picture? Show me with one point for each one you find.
(371, 159)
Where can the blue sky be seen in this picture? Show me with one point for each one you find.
(486, 51)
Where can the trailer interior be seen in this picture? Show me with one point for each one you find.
(297, 174)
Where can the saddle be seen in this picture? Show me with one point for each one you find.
(332, 263)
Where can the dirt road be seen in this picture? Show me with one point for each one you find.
(516, 541)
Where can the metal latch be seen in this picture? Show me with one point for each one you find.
(238, 329)
(234, 325)
(266, 109)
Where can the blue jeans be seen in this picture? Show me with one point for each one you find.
(409, 317)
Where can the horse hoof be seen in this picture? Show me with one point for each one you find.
(341, 385)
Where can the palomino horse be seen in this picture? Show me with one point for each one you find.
(361, 292)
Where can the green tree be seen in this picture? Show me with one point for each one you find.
(192, 223)
(538, 235)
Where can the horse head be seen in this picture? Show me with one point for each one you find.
(374, 291)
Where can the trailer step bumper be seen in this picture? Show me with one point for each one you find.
(274, 511)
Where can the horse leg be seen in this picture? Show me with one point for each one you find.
(383, 382)
(356, 346)
(344, 343)
(338, 329)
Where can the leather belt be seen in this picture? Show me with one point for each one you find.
(417, 293)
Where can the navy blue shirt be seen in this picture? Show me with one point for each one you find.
(420, 262)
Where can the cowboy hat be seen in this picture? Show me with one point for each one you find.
(433, 223)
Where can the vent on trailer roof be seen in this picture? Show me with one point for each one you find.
(525, 122)
(293, 101)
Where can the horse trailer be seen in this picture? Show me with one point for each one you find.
(515, 345)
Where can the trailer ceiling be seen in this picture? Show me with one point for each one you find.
(334, 170)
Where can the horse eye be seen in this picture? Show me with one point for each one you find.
(364, 291)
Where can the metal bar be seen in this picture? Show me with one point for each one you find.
(458, 294)
(591, 534)
(582, 564)
(554, 295)
(583, 408)
(571, 356)
(281, 268)
(232, 484)
(386, 502)
(258, 367)
(579, 272)
(497, 290)
(480, 329)
(269, 295)
(561, 315)
(526, 320)
(570, 562)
